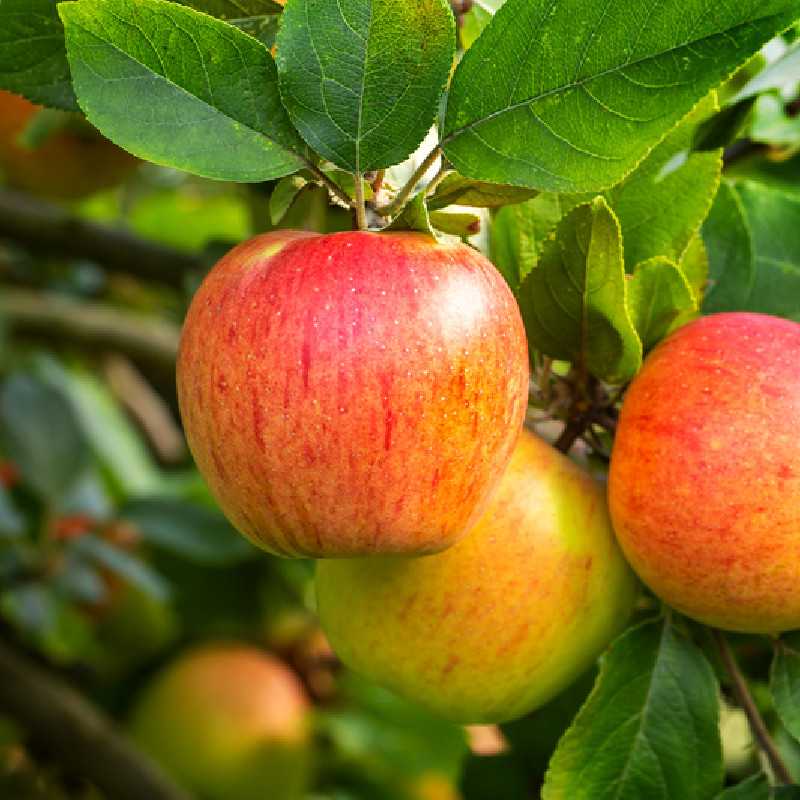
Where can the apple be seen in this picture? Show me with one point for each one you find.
(504, 620)
(704, 486)
(352, 393)
(229, 722)
(70, 164)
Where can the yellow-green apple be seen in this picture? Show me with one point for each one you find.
(70, 164)
(704, 486)
(352, 393)
(230, 722)
(502, 621)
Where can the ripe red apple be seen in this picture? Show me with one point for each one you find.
(70, 164)
(705, 474)
(352, 393)
(230, 722)
(501, 622)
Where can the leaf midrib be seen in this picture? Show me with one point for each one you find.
(589, 78)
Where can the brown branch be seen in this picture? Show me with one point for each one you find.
(748, 705)
(79, 736)
(47, 228)
(573, 431)
(90, 324)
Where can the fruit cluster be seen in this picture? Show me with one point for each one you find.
(359, 398)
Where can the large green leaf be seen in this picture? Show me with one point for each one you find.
(569, 95)
(33, 59)
(658, 293)
(180, 88)
(753, 241)
(649, 728)
(362, 78)
(785, 682)
(40, 434)
(574, 302)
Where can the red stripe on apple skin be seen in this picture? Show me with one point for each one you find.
(704, 486)
(373, 388)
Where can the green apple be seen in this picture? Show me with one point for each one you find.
(230, 722)
(704, 487)
(353, 393)
(501, 622)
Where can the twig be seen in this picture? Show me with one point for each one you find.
(147, 407)
(745, 700)
(331, 185)
(573, 431)
(405, 192)
(90, 324)
(85, 741)
(43, 227)
(361, 209)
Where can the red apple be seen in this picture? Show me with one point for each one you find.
(352, 393)
(705, 475)
(230, 722)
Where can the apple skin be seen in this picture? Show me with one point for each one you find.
(69, 165)
(500, 623)
(704, 486)
(352, 393)
(229, 722)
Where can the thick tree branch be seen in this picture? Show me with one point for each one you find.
(43, 227)
(61, 721)
(90, 324)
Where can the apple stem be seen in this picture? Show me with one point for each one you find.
(361, 209)
(748, 705)
(399, 201)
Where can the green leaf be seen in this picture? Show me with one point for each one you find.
(785, 682)
(777, 75)
(44, 618)
(234, 9)
(12, 524)
(264, 29)
(756, 787)
(723, 128)
(198, 534)
(574, 302)
(753, 241)
(658, 293)
(663, 202)
(40, 434)
(569, 95)
(476, 19)
(649, 728)
(283, 195)
(33, 59)
(786, 792)
(456, 224)
(413, 216)
(772, 125)
(694, 266)
(519, 231)
(362, 78)
(455, 189)
(126, 565)
(180, 88)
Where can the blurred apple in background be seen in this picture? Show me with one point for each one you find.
(229, 722)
